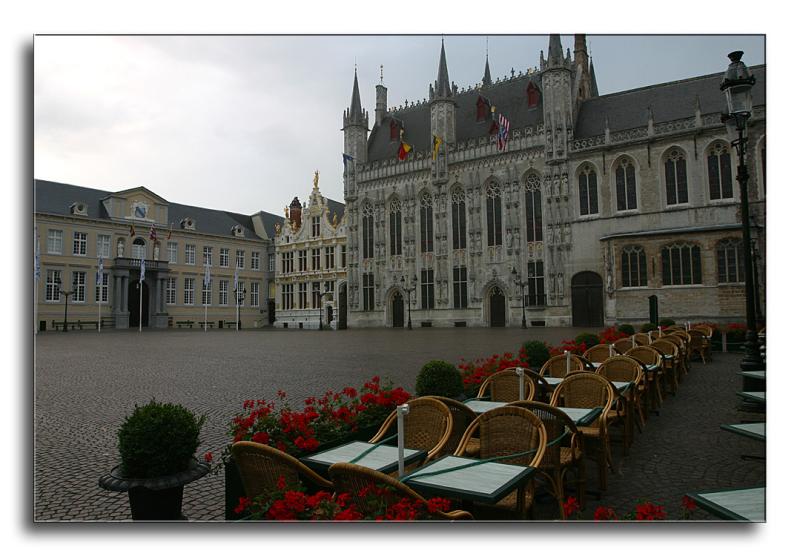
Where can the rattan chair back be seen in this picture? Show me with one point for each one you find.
(505, 431)
(260, 467)
(556, 366)
(666, 347)
(556, 424)
(462, 417)
(682, 334)
(645, 355)
(621, 368)
(427, 426)
(642, 339)
(599, 353)
(585, 390)
(705, 329)
(503, 386)
(623, 344)
(353, 479)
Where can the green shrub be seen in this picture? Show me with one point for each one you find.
(536, 353)
(439, 378)
(648, 326)
(626, 329)
(666, 322)
(588, 339)
(158, 439)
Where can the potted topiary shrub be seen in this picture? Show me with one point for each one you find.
(157, 443)
(587, 338)
(666, 322)
(536, 354)
(439, 378)
(627, 329)
(648, 326)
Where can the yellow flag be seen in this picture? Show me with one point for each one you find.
(437, 142)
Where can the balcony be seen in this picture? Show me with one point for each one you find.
(125, 263)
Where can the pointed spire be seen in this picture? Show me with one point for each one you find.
(594, 91)
(487, 76)
(555, 54)
(442, 88)
(355, 101)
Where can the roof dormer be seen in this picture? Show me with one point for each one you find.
(237, 231)
(188, 223)
(79, 209)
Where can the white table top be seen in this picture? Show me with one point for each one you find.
(755, 374)
(756, 396)
(486, 481)
(382, 458)
(553, 381)
(742, 504)
(482, 406)
(752, 430)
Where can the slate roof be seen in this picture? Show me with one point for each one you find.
(509, 96)
(56, 198)
(670, 101)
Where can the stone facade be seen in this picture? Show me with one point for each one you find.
(581, 177)
(310, 248)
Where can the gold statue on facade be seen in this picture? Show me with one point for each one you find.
(316, 180)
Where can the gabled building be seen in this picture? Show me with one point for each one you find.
(534, 189)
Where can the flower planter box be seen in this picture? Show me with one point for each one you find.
(234, 489)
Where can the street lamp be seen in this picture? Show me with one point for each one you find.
(523, 284)
(239, 301)
(411, 288)
(737, 86)
(66, 295)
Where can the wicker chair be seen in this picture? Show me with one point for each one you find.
(699, 344)
(706, 329)
(623, 344)
(503, 386)
(556, 366)
(560, 457)
(504, 431)
(427, 426)
(622, 368)
(599, 353)
(260, 467)
(352, 478)
(543, 388)
(680, 343)
(646, 355)
(590, 390)
(641, 339)
(670, 361)
(462, 417)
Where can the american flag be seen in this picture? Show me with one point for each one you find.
(502, 133)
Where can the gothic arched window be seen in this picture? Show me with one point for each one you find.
(368, 230)
(720, 180)
(587, 191)
(675, 178)
(681, 264)
(459, 219)
(626, 184)
(730, 261)
(494, 214)
(395, 228)
(634, 267)
(533, 95)
(426, 223)
(533, 207)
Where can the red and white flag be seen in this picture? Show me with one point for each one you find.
(502, 133)
(153, 235)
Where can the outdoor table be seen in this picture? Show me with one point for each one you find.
(482, 406)
(757, 431)
(760, 397)
(760, 375)
(487, 483)
(621, 386)
(747, 504)
(382, 458)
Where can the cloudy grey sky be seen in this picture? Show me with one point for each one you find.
(240, 123)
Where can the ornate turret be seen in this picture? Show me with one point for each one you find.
(487, 76)
(557, 82)
(355, 124)
(443, 119)
(296, 213)
(380, 101)
(441, 87)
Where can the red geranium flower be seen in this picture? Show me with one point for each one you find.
(244, 502)
(208, 457)
(688, 504)
(261, 437)
(571, 506)
(604, 514)
(650, 512)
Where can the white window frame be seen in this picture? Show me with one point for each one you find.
(208, 255)
(78, 286)
(254, 293)
(223, 292)
(255, 260)
(171, 297)
(172, 252)
(51, 287)
(189, 254)
(224, 257)
(188, 291)
(101, 291)
(270, 263)
(207, 293)
(240, 259)
(55, 242)
(79, 241)
(104, 246)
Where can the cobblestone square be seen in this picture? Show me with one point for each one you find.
(86, 383)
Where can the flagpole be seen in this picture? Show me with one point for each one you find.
(99, 295)
(205, 318)
(140, 304)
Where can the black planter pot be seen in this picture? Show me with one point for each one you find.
(156, 499)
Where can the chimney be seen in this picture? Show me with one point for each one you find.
(296, 213)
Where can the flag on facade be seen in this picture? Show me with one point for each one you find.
(99, 278)
(169, 233)
(37, 259)
(153, 235)
(502, 132)
(345, 159)
(207, 276)
(437, 142)
(141, 270)
(405, 148)
(133, 231)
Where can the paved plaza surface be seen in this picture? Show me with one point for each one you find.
(87, 382)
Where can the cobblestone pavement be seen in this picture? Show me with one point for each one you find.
(85, 383)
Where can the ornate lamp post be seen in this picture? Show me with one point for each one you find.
(737, 86)
(66, 295)
(523, 285)
(411, 288)
(239, 301)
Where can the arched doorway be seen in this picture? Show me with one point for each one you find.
(342, 322)
(397, 310)
(133, 304)
(497, 307)
(587, 299)
(328, 314)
